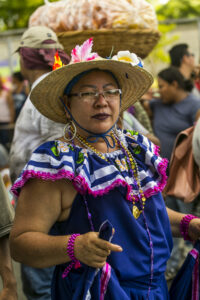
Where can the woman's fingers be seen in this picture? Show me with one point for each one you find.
(92, 250)
(102, 244)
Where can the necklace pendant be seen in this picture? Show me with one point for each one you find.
(136, 212)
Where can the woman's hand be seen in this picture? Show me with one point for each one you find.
(194, 229)
(93, 251)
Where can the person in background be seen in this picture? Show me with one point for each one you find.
(182, 58)
(196, 143)
(7, 116)
(141, 115)
(20, 92)
(4, 158)
(176, 110)
(130, 122)
(9, 291)
(37, 49)
(196, 154)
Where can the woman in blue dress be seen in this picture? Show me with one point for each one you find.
(90, 202)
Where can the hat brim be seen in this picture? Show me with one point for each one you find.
(133, 80)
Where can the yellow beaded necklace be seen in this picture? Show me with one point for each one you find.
(132, 166)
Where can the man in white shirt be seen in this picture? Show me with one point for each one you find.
(37, 48)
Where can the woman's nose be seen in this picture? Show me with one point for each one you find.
(101, 100)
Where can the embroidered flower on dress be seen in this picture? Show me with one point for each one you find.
(80, 159)
(83, 52)
(121, 165)
(55, 150)
(63, 147)
(128, 57)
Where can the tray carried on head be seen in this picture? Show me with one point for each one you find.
(139, 41)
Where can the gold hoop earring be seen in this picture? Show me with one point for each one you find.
(70, 132)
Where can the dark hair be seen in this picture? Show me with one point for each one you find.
(18, 76)
(176, 54)
(172, 74)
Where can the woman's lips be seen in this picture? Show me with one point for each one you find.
(101, 116)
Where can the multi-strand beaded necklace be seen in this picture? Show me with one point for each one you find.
(132, 166)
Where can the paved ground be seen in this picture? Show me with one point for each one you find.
(19, 284)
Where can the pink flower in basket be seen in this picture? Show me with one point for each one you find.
(83, 52)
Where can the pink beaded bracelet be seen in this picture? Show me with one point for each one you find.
(184, 226)
(70, 246)
(70, 251)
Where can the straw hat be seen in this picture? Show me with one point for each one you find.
(133, 80)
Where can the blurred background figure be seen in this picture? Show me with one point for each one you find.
(20, 92)
(182, 57)
(9, 291)
(176, 110)
(7, 116)
(4, 166)
(196, 143)
(37, 49)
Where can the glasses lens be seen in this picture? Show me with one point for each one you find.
(190, 54)
(108, 95)
(112, 94)
(88, 95)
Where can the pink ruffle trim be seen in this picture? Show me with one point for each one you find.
(162, 166)
(82, 186)
(156, 150)
(79, 182)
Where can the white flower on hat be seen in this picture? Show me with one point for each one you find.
(128, 57)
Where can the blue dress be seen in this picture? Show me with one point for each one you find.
(104, 188)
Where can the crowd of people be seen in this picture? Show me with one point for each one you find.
(81, 147)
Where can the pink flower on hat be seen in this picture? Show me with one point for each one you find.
(83, 52)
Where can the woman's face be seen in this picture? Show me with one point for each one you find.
(96, 114)
(167, 91)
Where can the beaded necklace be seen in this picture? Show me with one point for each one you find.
(136, 211)
(132, 167)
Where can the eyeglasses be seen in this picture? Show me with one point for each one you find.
(190, 54)
(109, 95)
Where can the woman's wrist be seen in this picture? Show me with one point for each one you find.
(70, 252)
(184, 226)
(70, 246)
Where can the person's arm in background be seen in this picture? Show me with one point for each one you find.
(9, 291)
(11, 107)
(142, 116)
(197, 115)
(147, 108)
(153, 139)
(131, 123)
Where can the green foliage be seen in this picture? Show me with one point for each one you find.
(159, 54)
(176, 9)
(15, 13)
